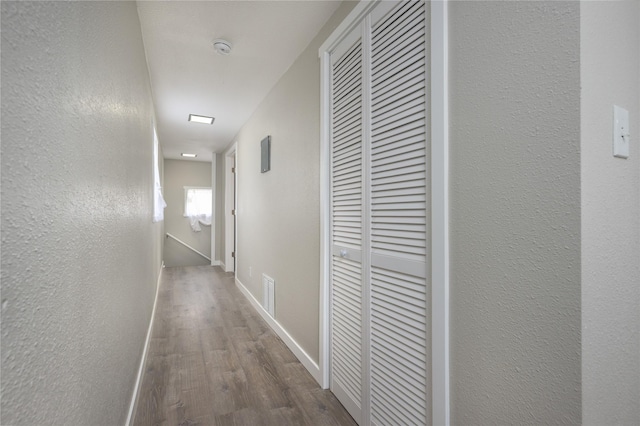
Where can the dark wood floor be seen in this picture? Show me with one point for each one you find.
(213, 361)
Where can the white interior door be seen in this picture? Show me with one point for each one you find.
(346, 221)
(400, 309)
(230, 210)
(380, 307)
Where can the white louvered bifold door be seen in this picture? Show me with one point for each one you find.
(346, 220)
(380, 202)
(399, 307)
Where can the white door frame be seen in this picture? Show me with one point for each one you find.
(230, 197)
(440, 373)
(438, 67)
(214, 217)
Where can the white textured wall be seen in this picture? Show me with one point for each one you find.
(610, 73)
(79, 251)
(515, 212)
(279, 211)
(177, 175)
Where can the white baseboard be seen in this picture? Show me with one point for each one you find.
(297, 350)
(223, 266)
(143, 360)
(215, 263)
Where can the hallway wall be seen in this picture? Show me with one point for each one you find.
(80, 255)
(515, 212)
(279, 211)
(610, 75)
(177, 175)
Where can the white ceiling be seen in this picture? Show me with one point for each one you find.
(189, 77)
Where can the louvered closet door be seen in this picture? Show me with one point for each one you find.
(346, 194)
(380, 294)
(400, 309)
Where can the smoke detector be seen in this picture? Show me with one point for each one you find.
(223, 47)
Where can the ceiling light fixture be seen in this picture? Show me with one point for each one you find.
(189, 155)
(223, 47)
(201, 119)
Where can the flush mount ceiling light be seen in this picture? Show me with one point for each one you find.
(223, 47)
(189, 155)
(201, 119)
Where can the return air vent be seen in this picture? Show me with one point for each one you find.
(268, 294)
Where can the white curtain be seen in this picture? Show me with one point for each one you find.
(158, 200)
(197, 207)
(196, 220)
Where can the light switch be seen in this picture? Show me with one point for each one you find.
(621, 133)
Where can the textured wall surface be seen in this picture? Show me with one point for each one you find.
(79, 251)
(177, 175)
(279, 211)
(610, 73)
(515, 212)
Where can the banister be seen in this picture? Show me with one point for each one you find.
(188, 246)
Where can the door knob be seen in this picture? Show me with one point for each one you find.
(343, 253)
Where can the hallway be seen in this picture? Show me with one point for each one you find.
(491, 236)
(213, 361)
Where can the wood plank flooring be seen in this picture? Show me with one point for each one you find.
(213, 360)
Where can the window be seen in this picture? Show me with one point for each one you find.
(158, 201)
(197, 201)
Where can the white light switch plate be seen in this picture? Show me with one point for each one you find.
(621, 133)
